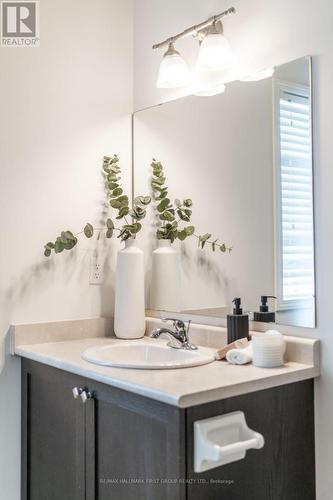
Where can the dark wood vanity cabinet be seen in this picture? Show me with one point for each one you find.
(53, 427)
(121, 446)
(137, 443)
(116, 446)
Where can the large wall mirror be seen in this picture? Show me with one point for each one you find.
(245, 159)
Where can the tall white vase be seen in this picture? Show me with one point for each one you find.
(165, 282)
(129, 315)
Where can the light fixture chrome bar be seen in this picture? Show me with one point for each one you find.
(194, 30)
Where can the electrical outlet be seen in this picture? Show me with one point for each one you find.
(96, 270)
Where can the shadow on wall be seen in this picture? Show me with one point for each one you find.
(200, 263)
(70, 269)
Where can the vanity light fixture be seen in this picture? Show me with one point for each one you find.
(173, 71)
(214, 54)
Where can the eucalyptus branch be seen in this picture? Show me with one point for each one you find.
(172, 228)
(118, 201)
(205, 240)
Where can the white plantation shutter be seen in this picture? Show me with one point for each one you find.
(296, 197)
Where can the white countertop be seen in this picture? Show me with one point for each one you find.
(182, 387)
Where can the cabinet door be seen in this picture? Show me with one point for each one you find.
(139, 448)
(284, 469)
(52, 435)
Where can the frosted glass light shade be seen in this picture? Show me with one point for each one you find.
(214, 54)
(173, 71)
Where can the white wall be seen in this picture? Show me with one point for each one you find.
(271, 32)
(62, 107)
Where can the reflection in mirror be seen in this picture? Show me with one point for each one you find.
(247, 165)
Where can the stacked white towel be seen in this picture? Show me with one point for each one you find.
(240, 356)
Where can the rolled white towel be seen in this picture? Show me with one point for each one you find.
(239, 356)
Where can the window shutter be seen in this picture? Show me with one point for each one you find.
(296, 197)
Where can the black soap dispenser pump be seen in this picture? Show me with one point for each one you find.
(264, 315)
(237, 323)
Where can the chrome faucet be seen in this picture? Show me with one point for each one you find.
(178, 338)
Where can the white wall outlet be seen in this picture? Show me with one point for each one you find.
(96, 276)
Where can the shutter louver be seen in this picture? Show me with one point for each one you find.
(296, 197)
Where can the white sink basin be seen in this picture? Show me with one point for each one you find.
(144, 354)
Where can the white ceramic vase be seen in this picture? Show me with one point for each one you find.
(129, 315)
(165, 282)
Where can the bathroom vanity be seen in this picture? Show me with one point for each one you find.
(92, 432)
(124, 446)
(131, 434)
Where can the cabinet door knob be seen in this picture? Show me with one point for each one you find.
(76, 392)
(85, 396)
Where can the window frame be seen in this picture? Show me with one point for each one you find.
(305, 91)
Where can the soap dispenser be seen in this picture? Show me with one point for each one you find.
(237, 323)
(264, 315)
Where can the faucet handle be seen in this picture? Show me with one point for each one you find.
(188, 327)
(178, 324)
(180, 334)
